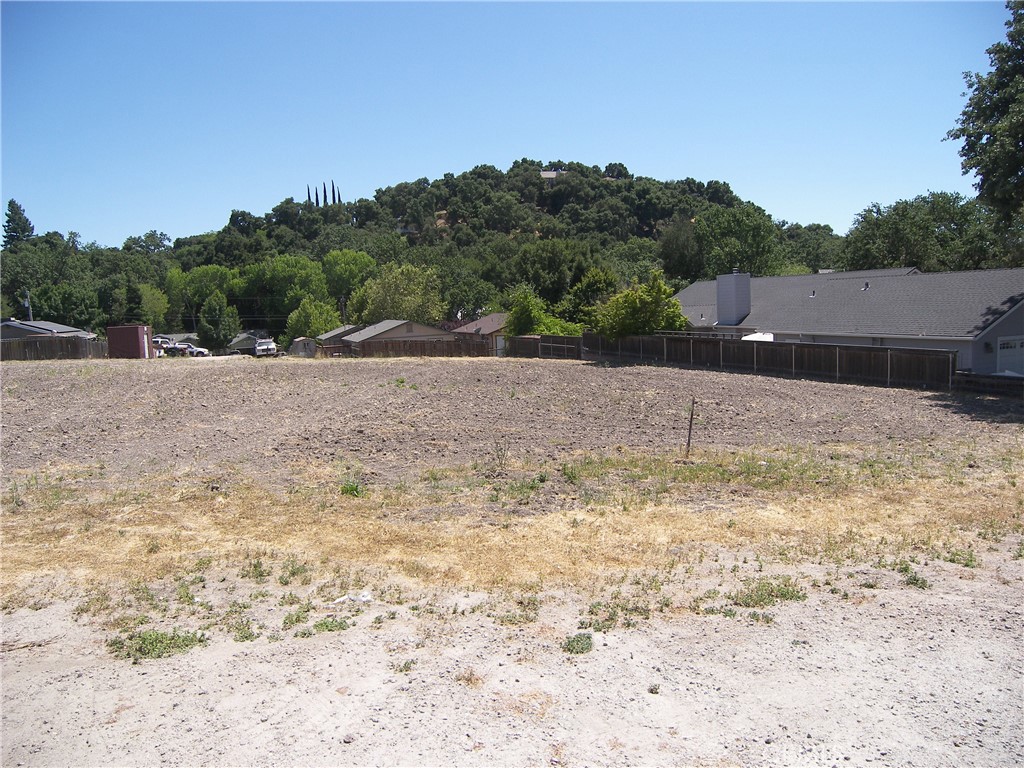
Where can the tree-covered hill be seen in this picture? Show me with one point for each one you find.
(563, 236)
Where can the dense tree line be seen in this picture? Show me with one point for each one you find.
(556, 242)
(561, 245)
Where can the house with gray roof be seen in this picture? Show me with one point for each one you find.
(397, 329)
(23, 329)
(490, 327)
(335, 335)
(349, 341)
(977, 314)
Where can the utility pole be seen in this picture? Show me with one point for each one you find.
(27, 302)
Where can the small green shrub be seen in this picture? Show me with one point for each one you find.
(299, 616)
(330, 624)
(965, 557)
(255, 570)
(910, 577)
(766, 591)
(527, 607)
(154, 644)
(184, 595)
(352, 488)
(242, 631)
(293, 569)
(582, 642)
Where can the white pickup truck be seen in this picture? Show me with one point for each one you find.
(265, 348)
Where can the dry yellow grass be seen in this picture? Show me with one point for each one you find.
(570, 524)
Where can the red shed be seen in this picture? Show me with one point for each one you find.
(130, 341)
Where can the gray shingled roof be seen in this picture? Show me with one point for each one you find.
(486, 325)
(894, 303)
(338, 332)
(46, 327)
(373, 330)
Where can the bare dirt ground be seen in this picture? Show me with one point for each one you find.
(385, 561)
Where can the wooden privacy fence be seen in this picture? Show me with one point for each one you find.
(52, 348)
(412, 348)
(547, 347)
(885, 366)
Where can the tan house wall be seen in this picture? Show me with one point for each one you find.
(415, 332)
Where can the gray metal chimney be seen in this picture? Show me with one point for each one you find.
(733, 297)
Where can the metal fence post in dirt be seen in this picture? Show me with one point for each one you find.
(689, 432)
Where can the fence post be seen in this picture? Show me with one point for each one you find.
(793, 350)
(689, 432)
(664, 349)
(888, 367)
(691, 350)
(837, 362)
(755, 356)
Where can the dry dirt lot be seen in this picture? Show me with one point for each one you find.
(504, 562)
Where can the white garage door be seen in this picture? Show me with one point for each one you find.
(1011, 354)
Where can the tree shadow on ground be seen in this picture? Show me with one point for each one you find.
(991, 408)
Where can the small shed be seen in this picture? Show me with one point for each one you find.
(131, 342)
(303, 346)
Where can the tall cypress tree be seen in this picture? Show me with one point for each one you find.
(17, 227)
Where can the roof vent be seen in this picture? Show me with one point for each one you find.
(866, 285)
(812, 295)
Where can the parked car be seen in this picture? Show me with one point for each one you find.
(265, 348)
(185, 348)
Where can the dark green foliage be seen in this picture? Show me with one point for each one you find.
(934, 232)
(575, 236)
(399, 292)
(639, 310)
(310, 318)
(17, 227)
(218, 323)
(527, 314)
(992, 127)
(73, 304)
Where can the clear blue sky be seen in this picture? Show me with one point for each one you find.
(119, 118)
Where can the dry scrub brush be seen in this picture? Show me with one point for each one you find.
(570, 522)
